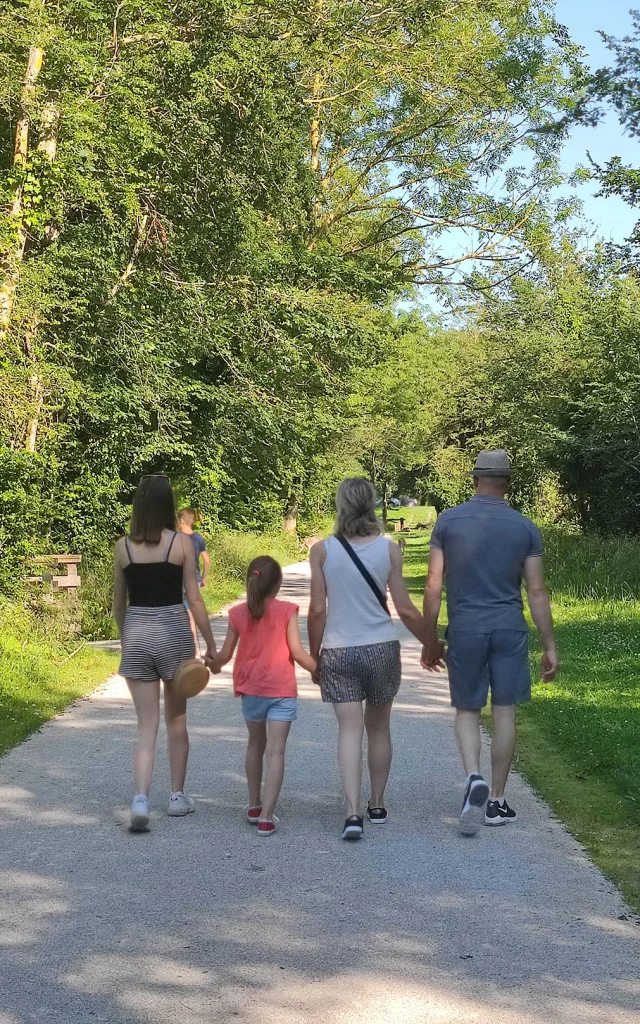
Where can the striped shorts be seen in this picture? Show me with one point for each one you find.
(372, 673)
(154, 642)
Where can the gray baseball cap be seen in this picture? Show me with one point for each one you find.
(492, 463)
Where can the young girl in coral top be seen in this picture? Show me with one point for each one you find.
(264, 676)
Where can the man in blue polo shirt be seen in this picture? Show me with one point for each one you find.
(482, 551)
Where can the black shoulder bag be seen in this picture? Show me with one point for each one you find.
(364, 572)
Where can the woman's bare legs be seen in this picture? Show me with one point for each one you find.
(380, 750)
(277, 733)
(350, 732)
(146, 699)
(253, 762)
(175, 715)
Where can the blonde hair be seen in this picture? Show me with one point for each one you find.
(356, 508)
(264, 575)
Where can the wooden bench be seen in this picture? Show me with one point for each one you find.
(69, 581)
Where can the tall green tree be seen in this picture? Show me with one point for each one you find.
(620, 86)
(208, 210)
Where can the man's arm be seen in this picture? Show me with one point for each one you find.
(404, 606)
(540, 607)
(206, 565)
(317, 616)
(433, 648)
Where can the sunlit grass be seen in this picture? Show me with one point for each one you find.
(40, 674)
(230, 555)
(579, 738)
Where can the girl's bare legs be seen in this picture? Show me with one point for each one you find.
(377, 724)
(277, 733)
(350, 732)
(253, 762)
(146, 699)
(175, 715)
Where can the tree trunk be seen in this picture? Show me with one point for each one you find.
(37, 392)
(129, 270)
(315, 138)
(290, 521)
(11, 267)
(48, 145)
(35, 385)
(385, 502)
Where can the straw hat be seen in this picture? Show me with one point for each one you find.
(492, 463)
(190, 678)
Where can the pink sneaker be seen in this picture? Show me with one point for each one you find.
(267, 828)
(253, 815)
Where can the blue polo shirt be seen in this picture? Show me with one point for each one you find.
(485, 545)
(199, 546)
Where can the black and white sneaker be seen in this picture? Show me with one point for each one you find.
(476, 795)
(377, 815)
(499, 813)
(353, 828)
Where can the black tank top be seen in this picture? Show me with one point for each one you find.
(153, 584)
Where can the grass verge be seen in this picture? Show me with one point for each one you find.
(579, 738)
(40, 676)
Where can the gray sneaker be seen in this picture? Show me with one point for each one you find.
(179, 805)
(139, 814)
(475, 799)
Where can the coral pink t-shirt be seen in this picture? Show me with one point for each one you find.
(263, 665)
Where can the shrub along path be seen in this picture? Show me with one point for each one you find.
(202, 922)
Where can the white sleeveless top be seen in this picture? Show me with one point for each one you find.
(355, 617)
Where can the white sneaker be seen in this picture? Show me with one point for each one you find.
(179, 805)
(139, 814)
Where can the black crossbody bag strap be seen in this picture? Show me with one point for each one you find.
(364, 572)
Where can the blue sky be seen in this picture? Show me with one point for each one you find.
(610, 218)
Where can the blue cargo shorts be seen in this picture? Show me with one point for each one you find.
(478, 662)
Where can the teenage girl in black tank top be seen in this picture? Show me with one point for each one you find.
(151, 567)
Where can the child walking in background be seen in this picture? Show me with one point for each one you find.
(264, 677)
(186, 522)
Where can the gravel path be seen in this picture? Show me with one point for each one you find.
(200, 922)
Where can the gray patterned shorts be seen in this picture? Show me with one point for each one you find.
(370, 673)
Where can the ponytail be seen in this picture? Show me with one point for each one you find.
(264, 576)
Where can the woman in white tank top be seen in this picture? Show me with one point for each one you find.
(353, 638)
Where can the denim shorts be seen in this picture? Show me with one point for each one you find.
(479, 661)
(272, 709)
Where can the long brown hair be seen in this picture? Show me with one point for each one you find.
(264, 575)
(154, 510)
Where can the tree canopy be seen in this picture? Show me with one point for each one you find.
(210, 212)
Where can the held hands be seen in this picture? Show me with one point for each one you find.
(212, 661)
(433, 655)
(550, 666)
